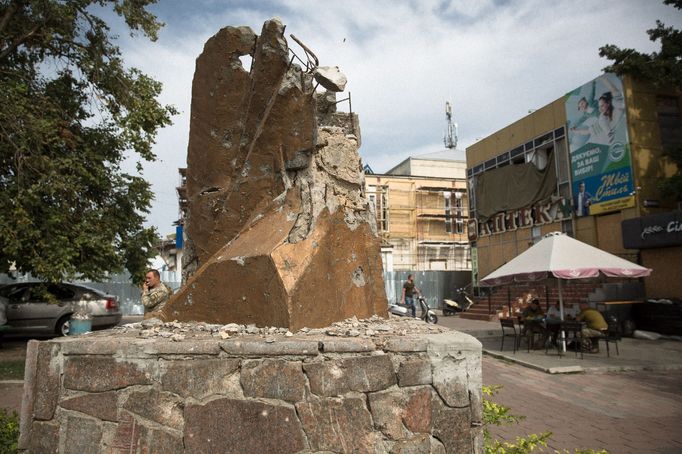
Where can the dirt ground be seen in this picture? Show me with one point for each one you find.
(13, 349)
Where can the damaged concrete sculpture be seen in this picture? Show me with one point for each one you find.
(279, 230)
(283, 239)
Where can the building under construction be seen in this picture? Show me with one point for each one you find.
(421, 207)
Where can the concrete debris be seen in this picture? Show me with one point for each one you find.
(331, 78)
(372, 327)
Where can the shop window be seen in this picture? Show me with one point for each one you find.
(567, 227)
(669, 120)
(536, 234)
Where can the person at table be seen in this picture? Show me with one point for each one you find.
(552, 323)
(533, 312)
(533, 318)
(553, 314)
(595, 326)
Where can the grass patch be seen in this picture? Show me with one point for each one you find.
(12, 369)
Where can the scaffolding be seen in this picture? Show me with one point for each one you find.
(423, 227)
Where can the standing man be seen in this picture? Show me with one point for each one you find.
(409, 289)
(583, 200)
(154, 292)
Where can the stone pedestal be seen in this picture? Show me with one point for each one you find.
(366, 386)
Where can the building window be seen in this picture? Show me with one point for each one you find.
(669, 121)
(454, 206)
(378, 197)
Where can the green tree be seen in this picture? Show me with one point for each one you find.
(71, 111)
(663, 68)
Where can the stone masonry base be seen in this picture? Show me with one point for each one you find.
(118, 392)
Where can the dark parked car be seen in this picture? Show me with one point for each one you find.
(46, 308)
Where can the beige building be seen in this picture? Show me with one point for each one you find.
(421, 206)
(593, 160)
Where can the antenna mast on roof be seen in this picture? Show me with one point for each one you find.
(450, 137)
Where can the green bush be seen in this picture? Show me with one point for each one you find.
(9, 432)
(498, 415)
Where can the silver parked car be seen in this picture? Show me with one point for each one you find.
(30, 310)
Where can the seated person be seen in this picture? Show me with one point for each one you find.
(552, 323)
(532, 317)
(533, 311)
(595, 326)
(553, 314)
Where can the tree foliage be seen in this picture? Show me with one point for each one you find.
(71, 111)
(663, 68)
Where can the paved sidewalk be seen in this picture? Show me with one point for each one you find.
(635, 354)
(626, 412)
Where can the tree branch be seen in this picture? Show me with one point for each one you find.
(11, 9)
(17, 42)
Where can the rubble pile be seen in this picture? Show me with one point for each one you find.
(372, 327)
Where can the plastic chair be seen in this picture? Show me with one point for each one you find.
(509, 324)
(612, 334)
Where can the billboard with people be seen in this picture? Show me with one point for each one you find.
(599, 149)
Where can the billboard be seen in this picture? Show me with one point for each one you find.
(599, 148)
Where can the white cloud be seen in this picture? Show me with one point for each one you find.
(494, 60)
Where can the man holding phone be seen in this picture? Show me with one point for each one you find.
(155, 293)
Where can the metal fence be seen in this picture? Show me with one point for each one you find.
(435, 286)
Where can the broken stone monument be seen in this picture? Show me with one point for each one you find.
(272, 357)
(279, 231)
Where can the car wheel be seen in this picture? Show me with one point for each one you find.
(63, 326)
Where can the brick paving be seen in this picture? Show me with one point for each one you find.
(624, 412)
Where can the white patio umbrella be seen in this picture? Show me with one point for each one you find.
(563, 257)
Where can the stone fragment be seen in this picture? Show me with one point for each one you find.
(279, 231)
(125, 437)
(290, 346)
(406, 344)
(360, 374)
(450, 380)
(452, 427)
(97, 374)
(331, 78)
(338, 425)
(44, 438)
(182, 348)
(249, 426)
(273, 379)
(132, 436)
(415, 371)
(82, 435)
(161, 407)
(399, 414)
(198, 378)
(99, 405)
(347, 345)
(419, 444)
(46, 385)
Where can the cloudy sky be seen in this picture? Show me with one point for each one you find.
(494, 60)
